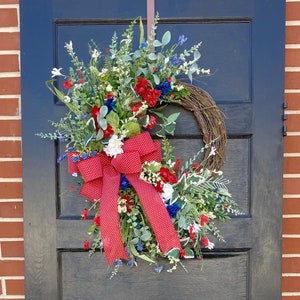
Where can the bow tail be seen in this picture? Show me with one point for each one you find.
(109, 217)
(156, 213)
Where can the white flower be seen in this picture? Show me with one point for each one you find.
(67, 99)
(109, 88)
(167, 192)
(56, 72)
(95, 54)
(212, 151)
(114, 146)
(210, 245)
(69, 46)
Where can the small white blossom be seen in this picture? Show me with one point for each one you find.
(69, 46)
(167, 192)
(109, 88)
(56, 72)
(114, 146)
(95, 54)
(210, 245)
(67, 99)
(212, 151)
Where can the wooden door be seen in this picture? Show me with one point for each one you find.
(243, 45)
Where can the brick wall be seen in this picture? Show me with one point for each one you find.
(11, 222)
(11, 215)
(291, 189)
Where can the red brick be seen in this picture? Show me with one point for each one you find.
(290, 284)
(291, 246)
(10, 149)
(10, 169)
(10, 128)
(291, 265)
(291, 144)
(291, 206)
(292, 100)
(11, 268)
(11, 230)
(291, 165)
(11, 209)
(9, 1)
(293, 123)
(12, 249)
(292, 79)
(291, 185)
(10, 86)
(8, 17)
(292, 35)
(10, 41)
(292, 11)
(290, 298)
(9, 63)
(9, 107)
(10, 190)
(292, 57)
(291, 226)
(15, 287)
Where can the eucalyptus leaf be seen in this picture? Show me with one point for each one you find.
(166, 38)
(152, 56)
(157, 43)
(102, 123)
(156, 79)
(173, 117)
(136, 54)
(146, 236)
(103, 111)
(197, 55)
(99, 135)
(126, 57)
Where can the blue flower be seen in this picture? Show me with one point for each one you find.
(143, 45)
(93, 153)
(138, 226)
(75, 158)
(84, 155)
(175, 60)
(111, 104)
(124, 183)
(118, 262)
(181, 40)
(61, 158)
(84, 116)
(131, 263)
(61, 138)
(173, 209)
(164, 88)
(158, 268)
(139, 246)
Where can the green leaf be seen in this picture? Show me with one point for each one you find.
(102, 123)
(134, 241)
(166, 38)
(146, 236)
(197, 55)
(88, 139)
(182, 222)
(103, 111)
(156, 79)
(152, 56)
(126, 57)
(113, 120)
(136, 54)
(133, 128)
(90, 124)
(170, 128)
(175, 253)
(141, 26)
(172, 118)
(91, 229)
(188, 253)
(99, 135)
(157, 43)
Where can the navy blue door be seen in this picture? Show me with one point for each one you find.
(247, 64)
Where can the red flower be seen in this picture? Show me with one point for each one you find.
(141, 85)
(129, 204)
(84, 214)
(108, 132)
(167, 175)
(182, 252)
(135, 106)
(86, 244)
(191, 232)
(108, 96)
(196, 165)
(152, 122)
(204, 241)
(177, 165)
(96, 221)
(72, 187)
(159, 187)
(94, 112)
(203, 219)
(68, 84)
(151, 96)
(81, 80)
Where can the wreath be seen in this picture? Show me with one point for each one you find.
(142, 201)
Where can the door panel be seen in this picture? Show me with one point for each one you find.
(246, 62)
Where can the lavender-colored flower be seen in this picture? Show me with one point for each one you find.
(181, 40)
(118, 262)
(175, 60)
(158, 268)
(131, 263)
(61, 138)
(139, 246)
(84, 116)
(61, 158)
